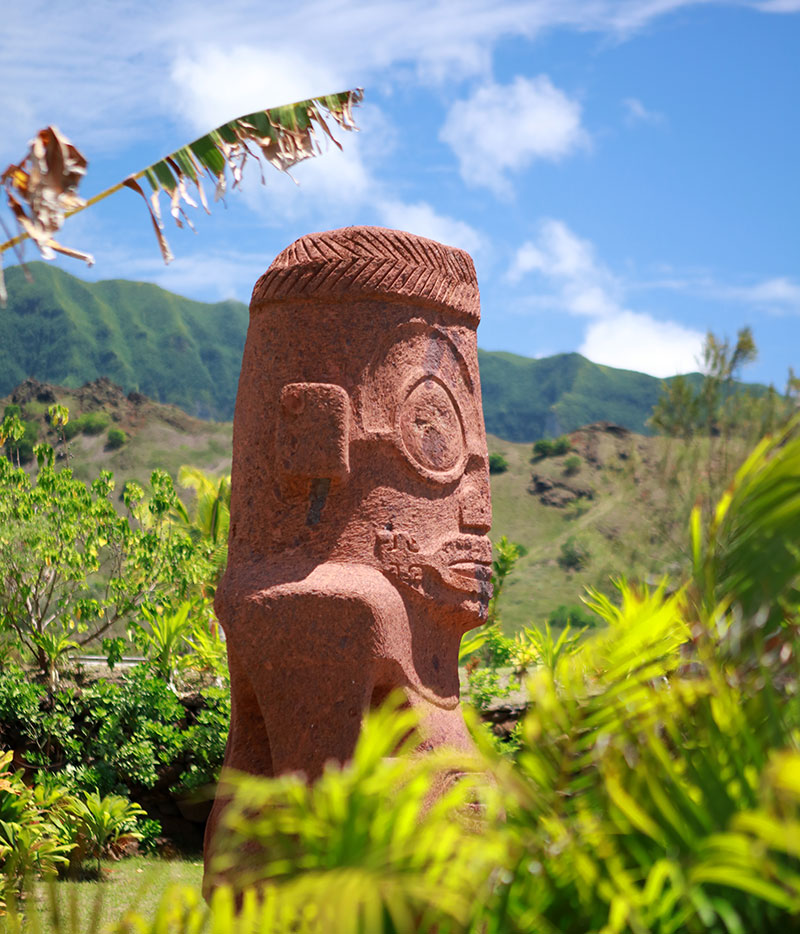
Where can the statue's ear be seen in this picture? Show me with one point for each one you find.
(314, 432)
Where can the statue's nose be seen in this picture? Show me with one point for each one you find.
(474, 497)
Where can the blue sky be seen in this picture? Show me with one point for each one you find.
(624, 172)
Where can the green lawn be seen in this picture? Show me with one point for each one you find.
(91, 907)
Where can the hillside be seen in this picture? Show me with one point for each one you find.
(615, 510)
(526, 399)
(612, 504)
(62, 330)
(158, 436)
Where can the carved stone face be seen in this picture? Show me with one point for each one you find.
(421, 413)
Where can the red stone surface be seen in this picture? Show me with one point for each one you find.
(358, 552)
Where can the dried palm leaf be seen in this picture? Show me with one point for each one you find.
(42, 189)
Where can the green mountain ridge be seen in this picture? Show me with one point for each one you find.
(525, 399)
(60, 329)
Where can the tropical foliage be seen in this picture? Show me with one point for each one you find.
(656, 786)
(72, 568)
(653, 786)
(116, 738)
(209, 518)
(48, 829)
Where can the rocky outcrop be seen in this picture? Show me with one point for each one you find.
(558, 491)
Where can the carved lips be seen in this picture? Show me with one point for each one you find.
(463, 563)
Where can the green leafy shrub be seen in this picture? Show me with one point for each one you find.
(149, 831)
(205, 736)
(573, 615)
(116, 438)
(540, 648)
(486, 685)
(551, 447)
(140, 733)
(207, 653)
(163, 639)
(497, 463)
(94, 423)
(506, 555)
(117, 738)
(498, 650)
(29, 834)
(576, 508)
(90, 423)
(572, 465)
(71, 568)
(19, 706)
(487, 646)
(99, 823)
(71, 429)
(573, 556)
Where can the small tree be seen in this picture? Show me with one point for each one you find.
(573, 556)
(116, 438)
(497, 463)
(71, 567)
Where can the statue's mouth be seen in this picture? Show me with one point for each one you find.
(463, 563)
(476, 570)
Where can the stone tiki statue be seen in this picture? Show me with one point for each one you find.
(358, 552)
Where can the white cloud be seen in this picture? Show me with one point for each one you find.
(584, 285)
(337, 184)
(636, 341)
(636, 112)
(109, 73)
(628, 16)
(421, 219)
(581, 285)
(779, 6)
(206, 275)
(504, 128)
(557, 253)
(215, 83)
(778, 294)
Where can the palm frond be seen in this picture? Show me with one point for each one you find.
(41, 190)
(750, 553)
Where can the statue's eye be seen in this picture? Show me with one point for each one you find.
(430, 427)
